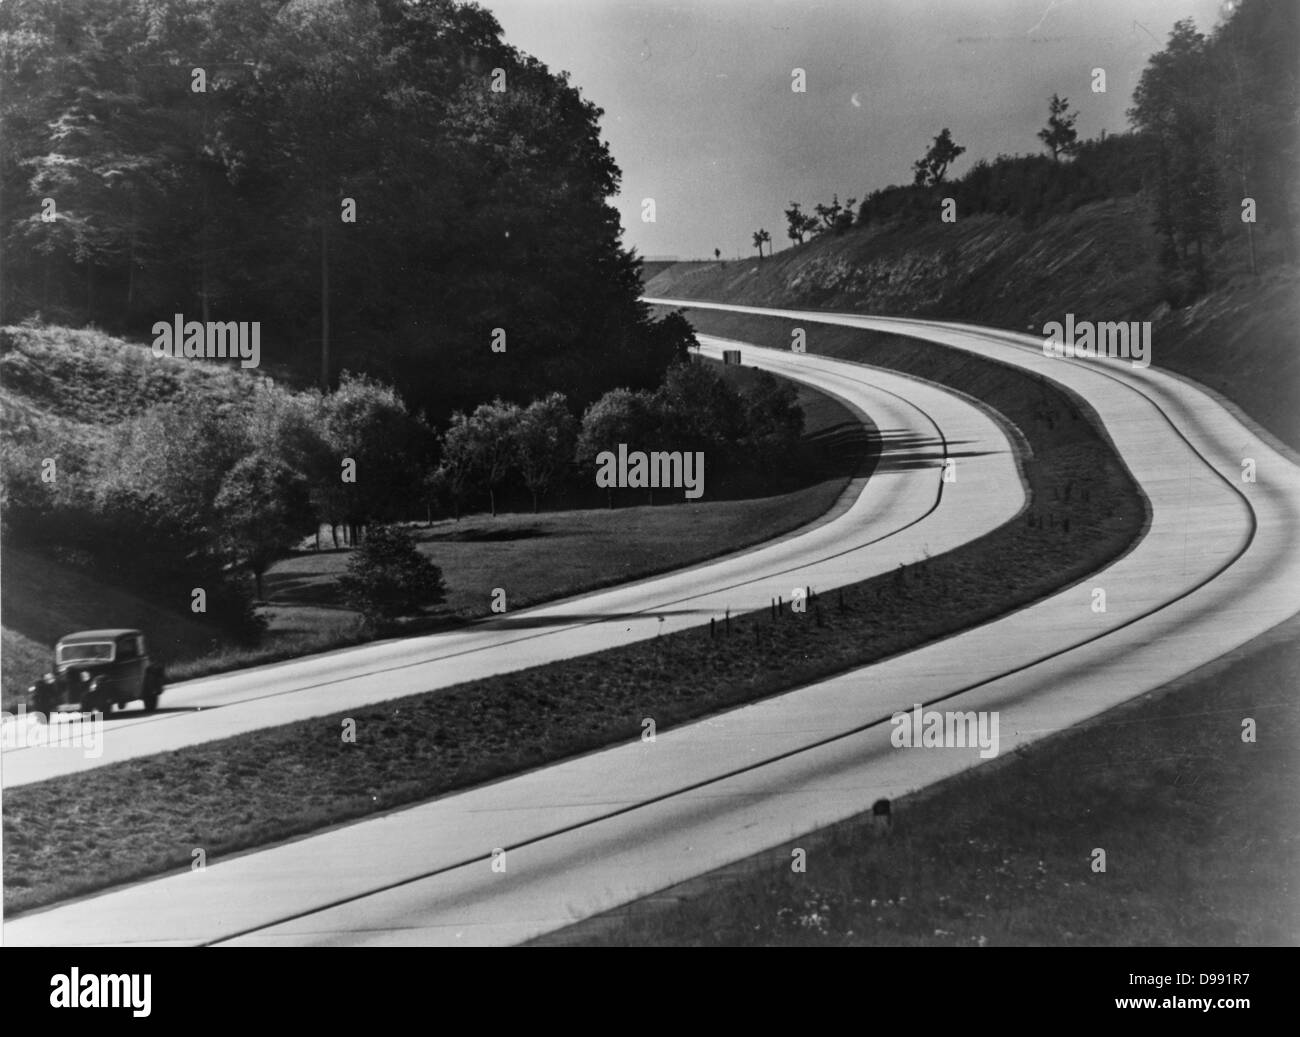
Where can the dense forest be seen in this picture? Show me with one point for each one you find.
(382, 184)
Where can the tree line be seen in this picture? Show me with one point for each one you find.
(751, 436)
(1219, 117)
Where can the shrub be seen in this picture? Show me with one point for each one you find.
(387, 576)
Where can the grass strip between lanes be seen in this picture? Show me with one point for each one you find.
(144, 817)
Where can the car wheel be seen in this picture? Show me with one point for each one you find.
(151, 693)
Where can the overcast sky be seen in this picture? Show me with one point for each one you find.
(700, 116)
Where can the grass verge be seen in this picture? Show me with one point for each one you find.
(144, 816)
(1201, 831)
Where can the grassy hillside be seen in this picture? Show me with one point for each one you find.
(985, 268)
(653, 267)
(85, 377)
(1097, 262)
(63, 390)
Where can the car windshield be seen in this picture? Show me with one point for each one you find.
(93, 651)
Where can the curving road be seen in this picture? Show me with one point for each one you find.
(903, 511)
(1218, 565)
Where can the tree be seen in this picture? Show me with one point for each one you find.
(773, 419)
(1256, 57)
(458, 475)
(153, 522)
(697, 410)
(1173, 105)
(452, 480)
(828, 214)
(759, 237)
(262, 510)
(845, 219)
(834, 217)
(669, 343)
(366, 422)
(545, 437)
(797, 224)
(1059, 134)
(318, 109)
(717, 254)
(387, 576)
(620, 416)
(289, 427)
(163, 468)
(479, 448)
(931, 167)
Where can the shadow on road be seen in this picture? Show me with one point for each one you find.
(902, 450)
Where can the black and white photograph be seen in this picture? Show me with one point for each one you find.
(649, 473)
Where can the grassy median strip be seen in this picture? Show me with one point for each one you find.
(1199, 827)
(143, 817)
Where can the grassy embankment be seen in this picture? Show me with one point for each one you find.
(143, 817)
(1097, 262)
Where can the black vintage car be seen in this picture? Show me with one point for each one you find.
(97, 670)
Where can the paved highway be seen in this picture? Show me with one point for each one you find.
(903, 511)
(1218, 565)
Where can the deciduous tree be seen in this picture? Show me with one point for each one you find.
(1059, 134)
(931, 167)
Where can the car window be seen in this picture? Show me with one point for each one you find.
(93, 651)
(126, 649)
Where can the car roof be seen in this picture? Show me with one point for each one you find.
(95, 635)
